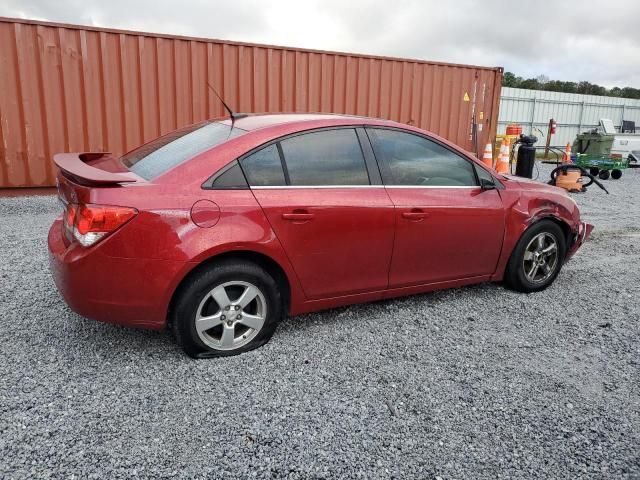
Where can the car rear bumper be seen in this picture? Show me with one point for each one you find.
(584, 230)
(124, 291)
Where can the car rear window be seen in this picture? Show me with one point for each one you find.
(168, 151)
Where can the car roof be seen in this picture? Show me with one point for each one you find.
(257, 121)
(263, 128)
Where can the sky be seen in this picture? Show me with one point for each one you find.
(568, 40)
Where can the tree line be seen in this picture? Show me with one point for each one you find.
(544, 83)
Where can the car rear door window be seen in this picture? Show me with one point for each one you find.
(413, 160)
(325, 158)
(264, 168)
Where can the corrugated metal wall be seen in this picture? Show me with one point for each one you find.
(572, 112)
(70, 88)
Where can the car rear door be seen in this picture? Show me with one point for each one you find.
(447, 227)
(328, 208)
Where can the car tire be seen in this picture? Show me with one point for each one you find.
(229, 308)
(616, 174)
(530, 251)
(604, 174)
(594, 171)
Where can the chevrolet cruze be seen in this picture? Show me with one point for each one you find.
(219, 230)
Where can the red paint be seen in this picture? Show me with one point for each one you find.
(321, 248)
(465, 226)
(336, 246)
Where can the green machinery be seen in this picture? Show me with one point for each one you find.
(592, 150)
(601, 165)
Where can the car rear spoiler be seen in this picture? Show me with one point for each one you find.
(75, 164)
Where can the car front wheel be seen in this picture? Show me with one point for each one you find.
(229, 308)
(537, 258)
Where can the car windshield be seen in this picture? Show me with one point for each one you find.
(168, 151)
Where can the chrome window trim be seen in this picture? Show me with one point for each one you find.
(281, 187)
(292, 187)
(433, 186)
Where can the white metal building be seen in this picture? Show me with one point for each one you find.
(573, 113)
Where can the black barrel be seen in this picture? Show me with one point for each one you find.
(526, 156)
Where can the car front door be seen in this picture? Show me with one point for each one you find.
(328, 208)
(447, 227)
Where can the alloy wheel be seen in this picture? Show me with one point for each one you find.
(231, 315)
(540, 257)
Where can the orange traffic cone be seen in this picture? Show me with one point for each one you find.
(487, 156)
(503, 158)
(567, 153)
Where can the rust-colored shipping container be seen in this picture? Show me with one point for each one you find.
(75, 88)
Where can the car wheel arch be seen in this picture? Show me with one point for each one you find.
(260, 259)
(563, 224)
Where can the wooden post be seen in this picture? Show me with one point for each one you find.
(546, 148)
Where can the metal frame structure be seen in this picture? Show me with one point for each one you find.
(573, 113)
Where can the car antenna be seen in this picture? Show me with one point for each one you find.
(234, 116)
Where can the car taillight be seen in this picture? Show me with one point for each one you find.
(89, 223)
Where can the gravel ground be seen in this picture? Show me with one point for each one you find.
(479, 382)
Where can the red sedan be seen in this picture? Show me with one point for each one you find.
(219, 230)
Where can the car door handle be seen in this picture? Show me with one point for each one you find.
(298, 217)
(414, 214)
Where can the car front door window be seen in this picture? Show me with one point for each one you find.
(413, 160)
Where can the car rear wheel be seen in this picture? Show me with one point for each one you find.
(230, 308)
(537, 258)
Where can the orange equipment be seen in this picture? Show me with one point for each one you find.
(570, 180)
(514, 129)
(487, 157)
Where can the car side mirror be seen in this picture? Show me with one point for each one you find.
(486, 184)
